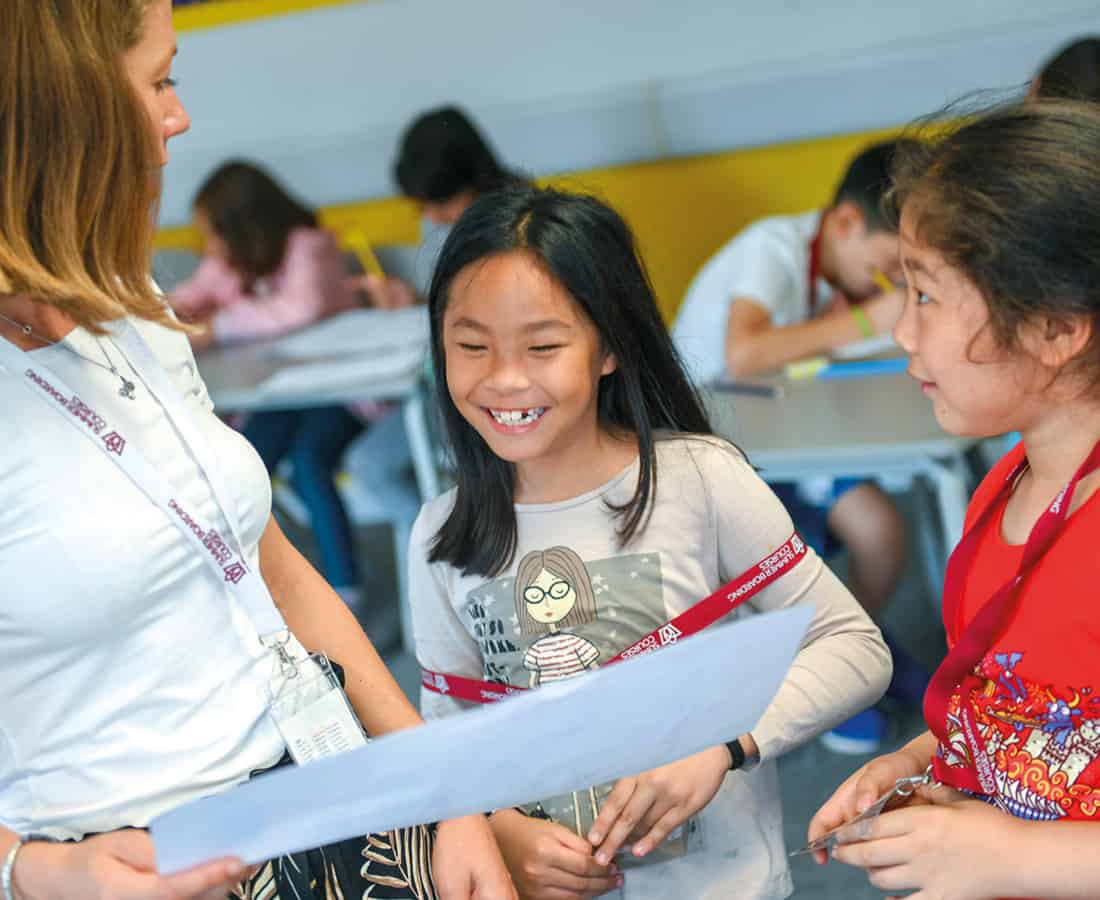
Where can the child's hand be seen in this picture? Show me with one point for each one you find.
(645, 808)
(386, 292)
(948, 847)
(399, 294)
(191, 311)
(862, 788)
(549, 862)
(118, 864)
(467, 862)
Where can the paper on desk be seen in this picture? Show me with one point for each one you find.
(357, 332)
(861, 349)
(338, 372)
(624, 719)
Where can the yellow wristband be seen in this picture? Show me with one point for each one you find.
(862, 321)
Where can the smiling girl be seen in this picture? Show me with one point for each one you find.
(574, 428)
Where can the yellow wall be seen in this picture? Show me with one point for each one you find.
(227, 12)
(390, 220)
(681, 210)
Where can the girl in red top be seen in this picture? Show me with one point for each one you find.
(1000, 243)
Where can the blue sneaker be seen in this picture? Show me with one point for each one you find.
(861, 734)
(910, 678)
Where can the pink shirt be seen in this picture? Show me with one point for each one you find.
(311, 284)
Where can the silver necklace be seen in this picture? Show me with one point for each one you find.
(127, 388)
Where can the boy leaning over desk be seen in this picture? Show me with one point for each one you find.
(791, 287)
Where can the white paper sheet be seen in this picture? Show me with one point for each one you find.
(866, 347)
(358, 332)
(336, 373)
(624, 719)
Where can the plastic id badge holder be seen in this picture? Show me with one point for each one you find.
(578, 811)
(311, 710)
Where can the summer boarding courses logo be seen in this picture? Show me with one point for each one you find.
(115, 443)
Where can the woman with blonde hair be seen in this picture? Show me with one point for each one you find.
(143, 570)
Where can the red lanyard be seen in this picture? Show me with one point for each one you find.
(957, 670)
(689, 622)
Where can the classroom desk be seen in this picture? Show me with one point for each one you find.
(879, 426)
(259, 377)
(295, 373)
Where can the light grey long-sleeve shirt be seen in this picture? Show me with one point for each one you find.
(572, 598)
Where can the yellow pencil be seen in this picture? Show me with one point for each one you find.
(356, 239)
(883, 282)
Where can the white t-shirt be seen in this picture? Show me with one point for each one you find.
(712, 518)
(131, 679)
(768, 263)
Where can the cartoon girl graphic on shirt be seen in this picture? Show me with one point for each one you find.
(553, 591)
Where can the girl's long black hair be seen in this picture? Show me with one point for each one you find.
(590, 251)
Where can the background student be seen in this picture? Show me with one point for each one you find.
(443, 164)
(133, 679)
(788, 287)
(592, 506)
(1073, 73)
(1000, 225)
(269, 269)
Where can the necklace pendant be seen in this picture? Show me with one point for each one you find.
(127, 389)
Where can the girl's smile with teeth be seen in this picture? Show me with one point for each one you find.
(515, 417)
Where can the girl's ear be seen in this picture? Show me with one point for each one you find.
(610, 363)
(1054, 342)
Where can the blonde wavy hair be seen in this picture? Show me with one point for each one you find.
(79, 172)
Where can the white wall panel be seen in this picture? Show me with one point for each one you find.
(322, 96)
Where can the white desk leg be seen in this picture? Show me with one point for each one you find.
(402, 530)
(420, 446)
(427, 483)
(949, 479)
(946, 481)
(933, 551)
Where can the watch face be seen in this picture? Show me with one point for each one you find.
(737, 754)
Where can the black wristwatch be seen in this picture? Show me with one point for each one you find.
(737, 754)
(739, 758)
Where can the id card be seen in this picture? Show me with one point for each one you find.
(312, 712)
(578, 811)
(859, 828)
(682, 840)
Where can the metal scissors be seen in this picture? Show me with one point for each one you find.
(903, 789)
